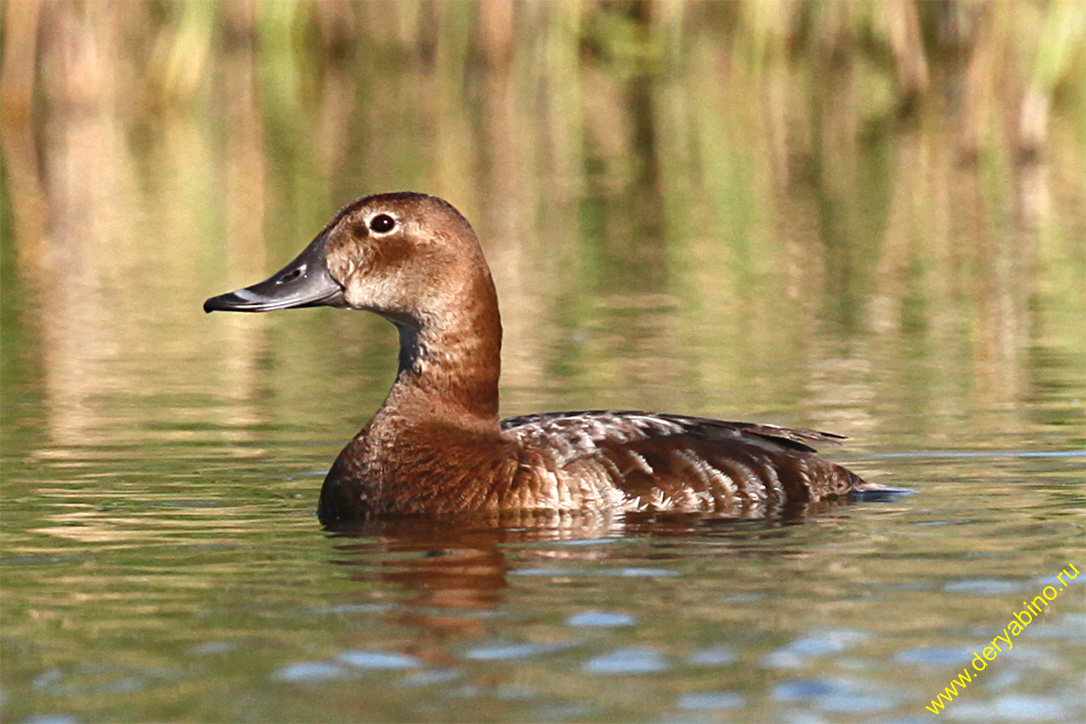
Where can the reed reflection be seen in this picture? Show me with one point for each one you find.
(724, 207)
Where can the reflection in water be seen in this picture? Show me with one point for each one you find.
(449, 572)
(771, 214)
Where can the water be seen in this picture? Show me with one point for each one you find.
(831, 266)
(213, 594)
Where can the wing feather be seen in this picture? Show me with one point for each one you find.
(675, 462)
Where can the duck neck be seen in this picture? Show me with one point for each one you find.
(450, 360)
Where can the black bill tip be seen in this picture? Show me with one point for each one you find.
(242, 300)
(304, 282)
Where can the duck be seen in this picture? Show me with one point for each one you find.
(437, 445)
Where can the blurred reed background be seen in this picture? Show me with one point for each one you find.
(707, 205)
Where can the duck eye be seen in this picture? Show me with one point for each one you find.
(382, 223)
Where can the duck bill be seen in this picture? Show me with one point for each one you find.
(305, 282)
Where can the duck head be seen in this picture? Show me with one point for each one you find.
(405, 256)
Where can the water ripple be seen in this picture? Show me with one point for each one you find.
(627, 661)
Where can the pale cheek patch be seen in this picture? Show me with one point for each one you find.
(382, 294)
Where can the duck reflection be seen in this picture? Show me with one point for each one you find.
(456, 564)
(451, 573)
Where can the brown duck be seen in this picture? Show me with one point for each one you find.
(437, 446)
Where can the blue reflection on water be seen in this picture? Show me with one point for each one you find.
(312, 671)
(627, 661)
(983, 587)
(814, 644)
(839, 695)
(711, 700)
(504, 652)
(599, 619)
(378, 660)
(934, 655)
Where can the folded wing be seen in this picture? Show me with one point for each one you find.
(643, 461)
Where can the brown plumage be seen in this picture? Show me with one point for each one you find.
(437, 446)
